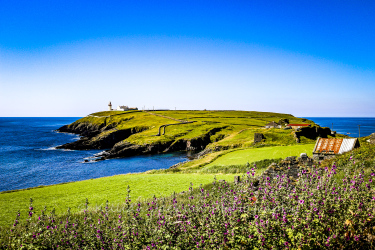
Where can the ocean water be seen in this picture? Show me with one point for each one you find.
(28, 157)
(347, 125)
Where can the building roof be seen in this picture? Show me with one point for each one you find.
(335, 146)
(273, 123)
(300, 125)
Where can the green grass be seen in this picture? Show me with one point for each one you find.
(240, 157)
(97, 191)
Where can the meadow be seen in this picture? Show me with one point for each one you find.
(98, 191)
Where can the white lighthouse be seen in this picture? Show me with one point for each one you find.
(110, 106)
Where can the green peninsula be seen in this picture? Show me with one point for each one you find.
(206, 133)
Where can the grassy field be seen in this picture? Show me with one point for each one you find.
(113, 189)
(240, 157)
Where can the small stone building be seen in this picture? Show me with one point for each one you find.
(273, 124)
(330, 147)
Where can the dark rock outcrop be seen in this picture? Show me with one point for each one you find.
(125, 149)
(313, 132)
(258, 137)
(101, 141)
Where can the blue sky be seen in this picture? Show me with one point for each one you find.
(70, 58)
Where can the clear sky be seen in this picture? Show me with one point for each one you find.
(70, 58)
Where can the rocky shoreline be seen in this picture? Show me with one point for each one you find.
(113, 141)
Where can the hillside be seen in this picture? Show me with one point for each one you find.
(129, 133)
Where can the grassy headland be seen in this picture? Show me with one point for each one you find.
(144, 132)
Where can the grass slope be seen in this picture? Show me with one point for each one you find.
(98, 191)
(256, 154)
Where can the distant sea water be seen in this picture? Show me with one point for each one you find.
(347, 125)
(28, 157)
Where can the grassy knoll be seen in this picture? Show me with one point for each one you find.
(97, 191)
(256, 154)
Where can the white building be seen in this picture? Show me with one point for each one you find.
(122, 108)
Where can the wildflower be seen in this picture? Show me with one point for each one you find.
(370, 180)
(301, 201)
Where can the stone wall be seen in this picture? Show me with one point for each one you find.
(290, 167)
(372, 138)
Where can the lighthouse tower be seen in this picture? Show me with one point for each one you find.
(110, 106)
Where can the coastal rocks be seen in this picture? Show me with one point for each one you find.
(102, 141)
(83, 129)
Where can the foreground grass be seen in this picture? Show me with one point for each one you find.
(98, 191)
(244, 156)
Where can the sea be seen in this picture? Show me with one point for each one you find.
(28, 157)
(350, 126)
